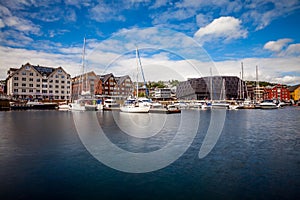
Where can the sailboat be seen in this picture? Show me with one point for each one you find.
(135, 105)
(221, 103)
(85, 100)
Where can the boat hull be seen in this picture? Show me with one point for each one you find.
(134, 109)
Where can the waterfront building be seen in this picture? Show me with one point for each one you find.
(124, 86)
(295, 92)
(109, 85)
(250, 91)
(88, 82)
(278, 92)
(162, 93)
(2, 87)
(259, 93)
(228, 87)
(38, 82)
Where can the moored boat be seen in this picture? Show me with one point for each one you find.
(268, 104)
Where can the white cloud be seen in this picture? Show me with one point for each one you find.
(17, 23)
(270, 69)
(261, 12)
(165, 55)
(277, 46)
(293, 50)
(202, 20)
(227, 28)
(103, 13)
(2, 24)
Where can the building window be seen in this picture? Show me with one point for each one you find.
(31, 85)
(50, 91)
(62, 92)
(44, 80)
(16, 84)
(51, 81)
(38, 91)
(44, 91)
(62, 87)
(23, 79)
(38, 85)
(44, 86)
(38, 80)
(62, 81)
(30, 79)
(62, 76)
(56, 86)
(56, 97)
(23, 90)
(16, 78)
(56, 91)
(23, 84)
(31, 90)
(62, 97)
(56, 76)
(56, 81)
(15, 90)
(30, 74)
(50, 86)
(24, 73)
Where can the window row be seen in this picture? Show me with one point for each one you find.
(39, 91)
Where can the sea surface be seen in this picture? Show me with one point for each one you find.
(256, 156)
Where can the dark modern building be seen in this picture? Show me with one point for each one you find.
(212, 87)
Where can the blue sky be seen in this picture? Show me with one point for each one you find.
(177, 39)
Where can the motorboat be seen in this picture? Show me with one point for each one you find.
(133, 106)
(268, 104)
(110, 104)
(220, 105)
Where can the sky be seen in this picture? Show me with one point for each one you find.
(175, 39)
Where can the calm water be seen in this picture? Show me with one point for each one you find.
(256, 157)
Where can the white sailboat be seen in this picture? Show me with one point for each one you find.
(135, 105)
(79, 104)
(222, 104)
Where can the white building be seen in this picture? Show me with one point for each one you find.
(37, 82)
(162, 93)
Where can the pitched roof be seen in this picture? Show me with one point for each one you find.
(293, 88)
(121, 79)
(105, 77)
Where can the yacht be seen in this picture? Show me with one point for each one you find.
(110, 104)
(220, 105)
(133, 106)
(268, 104)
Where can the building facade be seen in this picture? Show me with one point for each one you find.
(162, 93)
(86, 83)
(113, 86)
(295, 92)
(38, 82)
(212, 87)
(124, 86)
(278, 92)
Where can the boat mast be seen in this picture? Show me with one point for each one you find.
(257, 85)
(82, 64)
(142, 71)
(137, 74)
(243, 81)
(211, 86)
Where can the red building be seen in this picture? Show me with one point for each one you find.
(278, 92)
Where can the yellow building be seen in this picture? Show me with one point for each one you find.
(295, 92)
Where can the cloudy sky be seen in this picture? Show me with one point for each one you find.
(176, 39)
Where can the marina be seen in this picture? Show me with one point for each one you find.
(254, 158)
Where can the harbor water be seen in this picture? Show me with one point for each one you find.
(256, 156)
